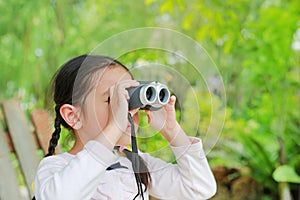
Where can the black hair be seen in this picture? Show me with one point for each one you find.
(79, 73)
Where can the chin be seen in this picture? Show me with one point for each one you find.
(124, 140)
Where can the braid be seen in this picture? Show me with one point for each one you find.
(56, 134)
(54, 138)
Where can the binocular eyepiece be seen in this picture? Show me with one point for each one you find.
(148, 96)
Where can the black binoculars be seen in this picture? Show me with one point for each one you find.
(149, 95)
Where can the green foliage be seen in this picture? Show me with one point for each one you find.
(286, 173)
(250, 42)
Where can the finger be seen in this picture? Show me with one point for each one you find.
(127, 95)
(148, 112)
(111, 91)
(122, 85)
(128, 83)
(122, 91)
(172, 100)
(171, 103)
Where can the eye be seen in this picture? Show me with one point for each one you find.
(108, 100)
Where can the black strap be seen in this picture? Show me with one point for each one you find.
(135, 159)
(116, 166)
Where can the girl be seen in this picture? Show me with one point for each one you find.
(92, 101)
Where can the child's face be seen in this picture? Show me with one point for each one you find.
(96, 109)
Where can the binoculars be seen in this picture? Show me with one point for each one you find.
(149, 95)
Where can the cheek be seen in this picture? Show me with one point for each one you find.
(102, 117)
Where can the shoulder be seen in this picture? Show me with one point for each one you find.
(55, 161)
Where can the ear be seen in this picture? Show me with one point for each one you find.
(71, 116)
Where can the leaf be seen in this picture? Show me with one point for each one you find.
(187, 22)
(286, 173)
(167, 7)
(149, 2)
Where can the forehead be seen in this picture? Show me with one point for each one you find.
(111, 75)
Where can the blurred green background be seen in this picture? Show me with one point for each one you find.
(255, 44)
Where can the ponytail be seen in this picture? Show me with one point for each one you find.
(56, 134)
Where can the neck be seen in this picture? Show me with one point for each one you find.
(78, 146)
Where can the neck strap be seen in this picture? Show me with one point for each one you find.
(135, 159)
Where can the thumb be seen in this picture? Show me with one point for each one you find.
(171, 103)
(148, 112)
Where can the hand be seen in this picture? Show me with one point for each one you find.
(118, 107)
(164, 120)
(118, 113)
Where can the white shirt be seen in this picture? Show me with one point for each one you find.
(84, 176)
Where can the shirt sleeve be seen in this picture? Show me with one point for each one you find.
(190, 178)
(76, 179)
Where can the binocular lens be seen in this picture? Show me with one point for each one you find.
(150, 94)
(163, 95)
